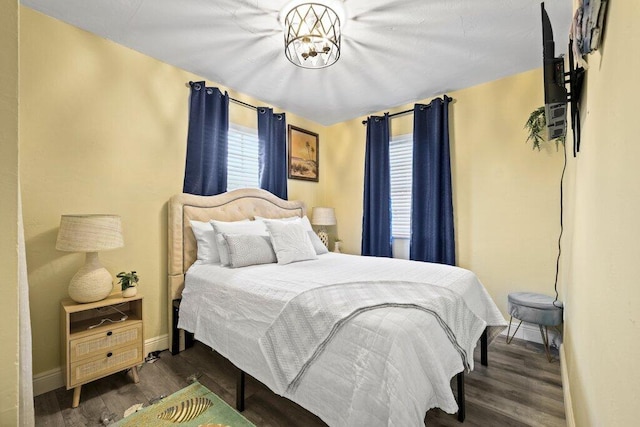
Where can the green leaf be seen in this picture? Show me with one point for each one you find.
(536, 125)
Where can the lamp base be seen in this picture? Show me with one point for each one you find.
(324, 236)
(92, 282)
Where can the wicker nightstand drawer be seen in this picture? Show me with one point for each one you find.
(100, 338)
(101, 342)
(104, 364)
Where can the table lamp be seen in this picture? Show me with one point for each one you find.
(90, 234)
(323, 217)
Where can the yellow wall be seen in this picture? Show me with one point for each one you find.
(602, 324)
(506, 196)
(9, 187)
(103, 131)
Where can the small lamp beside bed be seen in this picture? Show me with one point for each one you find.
(90, 234)
(323, 217)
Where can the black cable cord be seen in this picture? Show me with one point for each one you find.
(564, 167)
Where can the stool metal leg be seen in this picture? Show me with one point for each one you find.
(545, 340)
(514, 332)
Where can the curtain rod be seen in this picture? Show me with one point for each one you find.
(244, 104)
(236, 101)
(402, 113)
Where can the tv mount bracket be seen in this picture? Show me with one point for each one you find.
(575, 79)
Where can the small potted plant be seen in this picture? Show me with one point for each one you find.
(128, 282)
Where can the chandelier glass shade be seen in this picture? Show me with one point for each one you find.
(312, 35)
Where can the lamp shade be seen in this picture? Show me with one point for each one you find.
(323, 216)
(89, 233)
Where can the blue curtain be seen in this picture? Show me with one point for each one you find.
(376, 217)
(272, 136)
(205, 172)
(432, 234)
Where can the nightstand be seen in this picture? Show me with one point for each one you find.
(99, 339)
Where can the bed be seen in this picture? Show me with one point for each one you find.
(386, 365)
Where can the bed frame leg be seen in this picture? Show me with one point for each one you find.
(180, 339)
(461, 402)
(175, 336)
(240, 391)
(484, 344)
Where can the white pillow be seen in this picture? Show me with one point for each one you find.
(206, 240)
(320, 248)
(245, 250)
(290, 241)
(254, 228)
(295, 219)
(304, 221)
(285, 218)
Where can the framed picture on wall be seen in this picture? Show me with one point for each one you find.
(303, 154)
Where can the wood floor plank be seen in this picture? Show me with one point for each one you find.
(519, 388)
(267, 409)
(90, 411)
(526, 394)
(477, 416)
(158, 379)
(119, 393)
(48, 410)
(527, 412)
(523, 359)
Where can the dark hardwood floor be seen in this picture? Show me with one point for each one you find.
(519, 388)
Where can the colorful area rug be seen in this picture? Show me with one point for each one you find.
(194, 405)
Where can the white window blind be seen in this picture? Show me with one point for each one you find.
(242, 160)
(401, 164)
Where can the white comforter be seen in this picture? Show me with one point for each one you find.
(386, 367)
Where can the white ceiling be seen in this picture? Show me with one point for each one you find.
(393, 51)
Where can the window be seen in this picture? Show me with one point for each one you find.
(401, 164)
(242, 160)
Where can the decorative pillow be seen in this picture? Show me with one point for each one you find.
(255, 228)
(317, 243)
(290, 242)
(246, 249)
(295, 219)
(304, 221)
(206, 240)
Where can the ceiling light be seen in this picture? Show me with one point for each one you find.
(312, 35)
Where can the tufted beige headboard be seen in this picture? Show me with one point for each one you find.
(231, 206)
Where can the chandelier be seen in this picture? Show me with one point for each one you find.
(312, 35)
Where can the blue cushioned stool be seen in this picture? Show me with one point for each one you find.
(540, 309)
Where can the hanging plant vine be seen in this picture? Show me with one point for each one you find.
(536, 125)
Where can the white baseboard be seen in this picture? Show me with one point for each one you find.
(566, 390)
(158, 343)
(531, 332)
(44, 382)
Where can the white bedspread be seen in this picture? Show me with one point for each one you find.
(387, 367)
